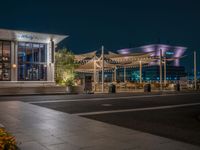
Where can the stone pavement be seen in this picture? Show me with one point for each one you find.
(38, 128)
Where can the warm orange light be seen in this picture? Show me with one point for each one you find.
(14, 65)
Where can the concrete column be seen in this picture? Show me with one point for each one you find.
(50, 61)
(14, 61)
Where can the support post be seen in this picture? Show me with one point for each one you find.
(165, 72)
(102, 68)
(94, 75)
(195, 70)
(124, 74)
(115, 76)
(140, 72)
(161, 69)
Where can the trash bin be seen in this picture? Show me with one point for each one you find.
(112, 88)
(147, 88)
(177, 87)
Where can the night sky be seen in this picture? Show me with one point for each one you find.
(115, 24)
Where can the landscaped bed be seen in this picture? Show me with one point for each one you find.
(7, 141)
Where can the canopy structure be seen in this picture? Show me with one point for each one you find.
(95, 63)
(89, 61)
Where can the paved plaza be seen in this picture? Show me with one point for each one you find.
(99, 122)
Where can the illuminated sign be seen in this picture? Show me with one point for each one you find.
(27, 37)
(169, 53)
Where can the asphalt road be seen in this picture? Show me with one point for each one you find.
(173, 116)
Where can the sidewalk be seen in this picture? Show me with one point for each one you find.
(38, 128)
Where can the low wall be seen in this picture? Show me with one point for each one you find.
(31, 90)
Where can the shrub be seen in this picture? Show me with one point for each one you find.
(7, 141)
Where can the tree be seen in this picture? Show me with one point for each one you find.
(65, 67)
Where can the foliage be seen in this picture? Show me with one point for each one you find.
(7, 141)
(65, 67)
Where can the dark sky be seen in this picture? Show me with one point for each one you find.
(114, 23)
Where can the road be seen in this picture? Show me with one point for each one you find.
(173, 116)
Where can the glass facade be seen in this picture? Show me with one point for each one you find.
(5, 60)
(32, 61)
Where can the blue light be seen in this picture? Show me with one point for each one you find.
(169, 53)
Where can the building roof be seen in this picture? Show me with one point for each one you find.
(153, 47)
(27, 36)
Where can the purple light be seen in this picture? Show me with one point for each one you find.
(124, 51)
(178, 53)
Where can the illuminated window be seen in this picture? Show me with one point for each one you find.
(32, 61)
(5, 64)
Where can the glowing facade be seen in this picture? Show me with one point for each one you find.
(167, 51)
(27, 58)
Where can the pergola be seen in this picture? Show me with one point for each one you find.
(92, 63)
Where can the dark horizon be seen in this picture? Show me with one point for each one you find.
(114, 24)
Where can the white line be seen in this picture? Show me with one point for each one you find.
(101, 98)
(137, 109)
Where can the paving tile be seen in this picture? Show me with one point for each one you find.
(64, 146)
(21, 138)
(40, 128)
(48, 140)
(32, 146)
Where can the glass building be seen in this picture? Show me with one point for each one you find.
(27, 57)
(174, 71)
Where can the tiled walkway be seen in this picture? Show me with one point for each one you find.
(38, 128)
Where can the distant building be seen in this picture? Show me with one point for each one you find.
(151, 72)
(27, 58)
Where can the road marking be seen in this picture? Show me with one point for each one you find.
(136, 109)
(103, 98)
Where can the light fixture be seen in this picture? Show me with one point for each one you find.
(14, 65)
